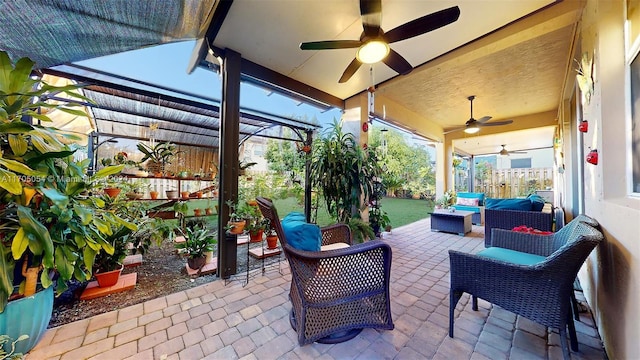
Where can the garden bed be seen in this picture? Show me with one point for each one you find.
(162, 272)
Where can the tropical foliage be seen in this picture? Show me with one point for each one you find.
(343, 172)
(408, 167)
(46, 217)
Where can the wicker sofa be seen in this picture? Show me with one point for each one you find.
(505, 218)
(528, 274)
(338, 292)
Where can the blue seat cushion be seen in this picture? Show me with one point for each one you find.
(509, 204)
(511, 256)
(472, 195)
(474, 209)
(300, 234)
(537, 202)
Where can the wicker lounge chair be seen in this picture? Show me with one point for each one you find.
(336, 293)
(539, 290)
(508, 219)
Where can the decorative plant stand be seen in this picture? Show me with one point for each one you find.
(266, 258)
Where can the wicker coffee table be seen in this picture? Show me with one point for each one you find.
(458, 222)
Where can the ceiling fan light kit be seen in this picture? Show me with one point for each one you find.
(473, 125)
(373, 45)
(472, 129)
(372, 52)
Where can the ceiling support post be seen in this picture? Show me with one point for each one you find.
(228, 159)
(307, 177)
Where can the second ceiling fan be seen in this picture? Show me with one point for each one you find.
(373, 45)
(473, 125)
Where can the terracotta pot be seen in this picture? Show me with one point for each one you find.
(208, 211)
(272, 242)
(199, 194)
(184, 194)
(237, 227)
(197, 212)
(157, 174)
(112, 192)
(108, 278)
(256, 236)
(154, 194)
(196, 263)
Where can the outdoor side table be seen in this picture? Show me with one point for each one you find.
(458, 222)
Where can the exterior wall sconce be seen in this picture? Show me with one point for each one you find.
(592, 157)
(583, 126)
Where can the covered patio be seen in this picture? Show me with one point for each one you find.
(218, 321)
(520, 62)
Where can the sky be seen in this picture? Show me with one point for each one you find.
(166, 65)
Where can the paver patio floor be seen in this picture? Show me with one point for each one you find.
(218, 321)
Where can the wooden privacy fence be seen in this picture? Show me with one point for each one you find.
(508, 183)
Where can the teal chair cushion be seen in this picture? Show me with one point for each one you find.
(511, 256)
(509, 204)
(300, 234)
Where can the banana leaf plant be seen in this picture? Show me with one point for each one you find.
(48, 219)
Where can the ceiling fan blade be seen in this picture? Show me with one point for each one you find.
(423, 25)
(397, 63)
(484, 119)
(371, 14)
(454, 130)
(350, 70)
(497, 123)
(330, 44)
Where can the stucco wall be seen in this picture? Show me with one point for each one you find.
(611, 275)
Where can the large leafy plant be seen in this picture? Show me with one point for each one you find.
(343, 172)
(47, 219)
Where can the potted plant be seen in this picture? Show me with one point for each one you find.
(446, 200)
(112, 186)
(198, 241)
(272, 237)
(158, 156)
(172, 194)
(136, 189)
(378, 219)
(237, 217)
(50, 226)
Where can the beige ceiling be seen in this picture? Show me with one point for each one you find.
(512, 54)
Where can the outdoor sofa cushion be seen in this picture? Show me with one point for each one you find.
(537, 202)
(509, 204)
(300, 234)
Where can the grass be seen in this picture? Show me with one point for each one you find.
(401, 211)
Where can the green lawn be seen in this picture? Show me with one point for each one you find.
(401, 211)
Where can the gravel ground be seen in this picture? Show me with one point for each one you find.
(161, 273)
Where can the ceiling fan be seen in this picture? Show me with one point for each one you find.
(473, 125)
(505, 152)
(373, 45)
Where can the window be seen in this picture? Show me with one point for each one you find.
(521, 163)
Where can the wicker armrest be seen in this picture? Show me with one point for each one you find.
(325, 276)
(337, 233)
(542, 245)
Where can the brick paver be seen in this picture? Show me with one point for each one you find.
(228, 321)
